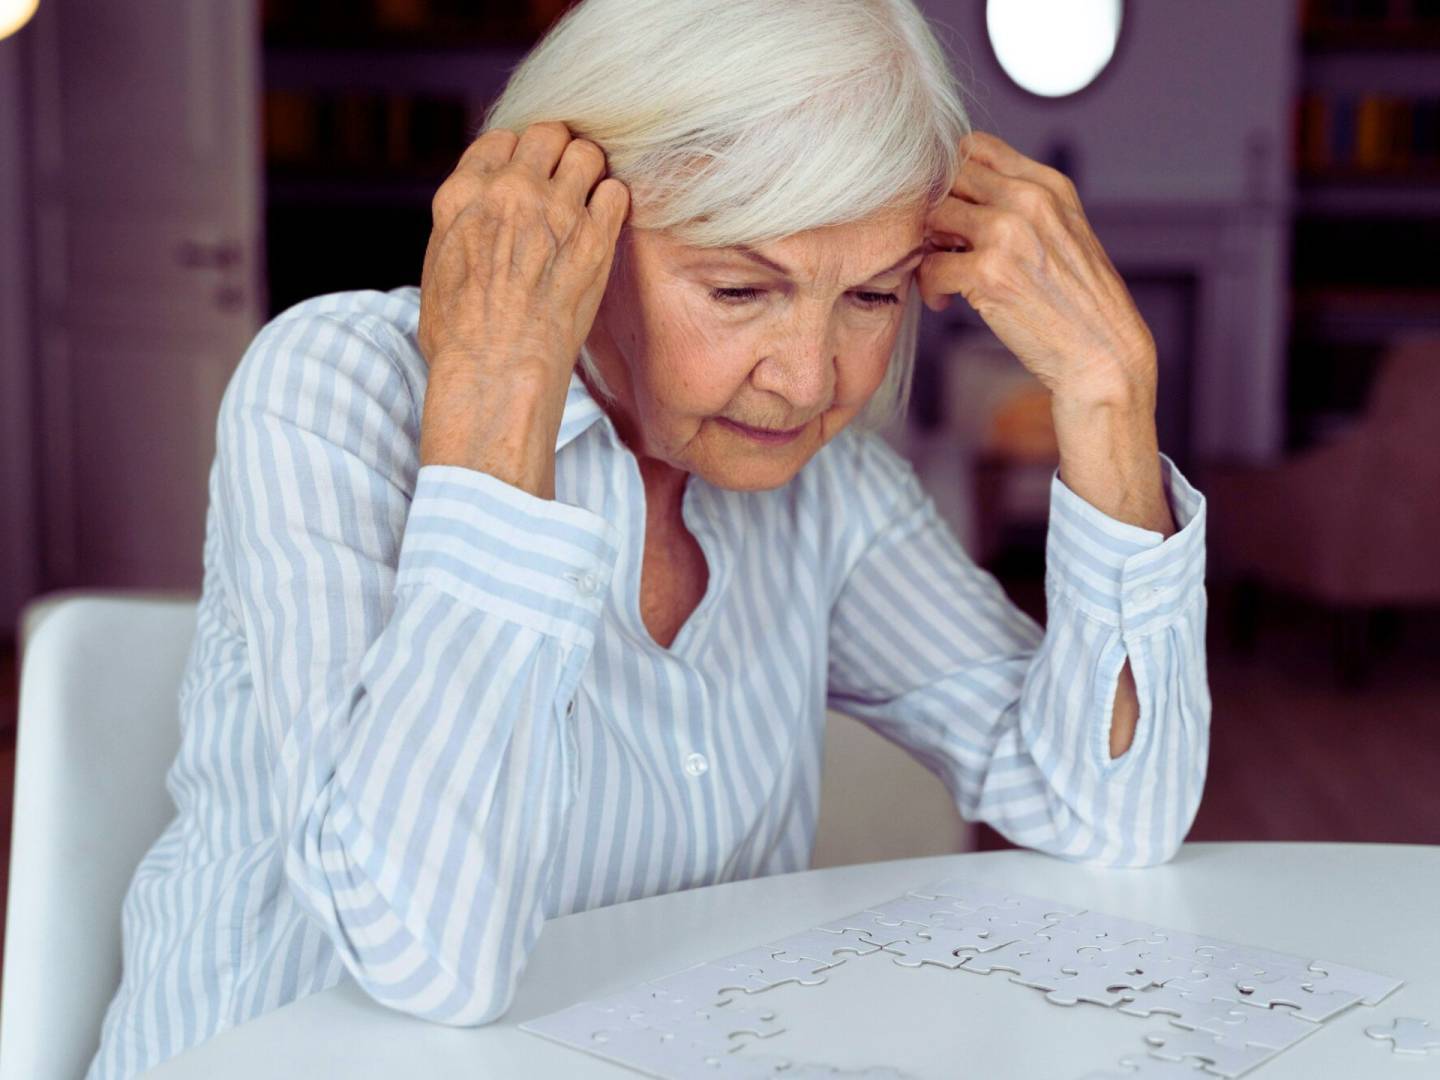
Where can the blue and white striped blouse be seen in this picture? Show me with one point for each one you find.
(422, 713)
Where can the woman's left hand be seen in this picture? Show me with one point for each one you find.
(1037, 275)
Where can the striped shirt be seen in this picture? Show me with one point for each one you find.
(422, 713)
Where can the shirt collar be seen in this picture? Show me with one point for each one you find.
(581, 410)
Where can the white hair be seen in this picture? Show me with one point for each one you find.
(745, 121)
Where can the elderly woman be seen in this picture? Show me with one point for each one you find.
(526, 591)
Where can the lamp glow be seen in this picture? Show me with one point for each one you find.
(1053, 47)
(14, 14)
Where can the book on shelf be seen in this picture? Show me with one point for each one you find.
(1393, 15)
(363, 132)
(1370, 25)
(1366, 134)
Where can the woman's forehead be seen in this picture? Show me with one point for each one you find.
(864, 249)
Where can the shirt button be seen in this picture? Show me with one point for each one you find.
(695, 764)
(587, 583)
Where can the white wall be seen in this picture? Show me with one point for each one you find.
(1170, 119)
(19, 523)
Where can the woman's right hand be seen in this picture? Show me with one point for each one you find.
(517, 260)
(514, 272)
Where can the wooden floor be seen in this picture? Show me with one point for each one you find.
(1292, 755)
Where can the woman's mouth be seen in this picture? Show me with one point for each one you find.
(763, 435)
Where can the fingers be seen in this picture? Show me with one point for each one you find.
(609, 205)
(995, 172)
(957, 229)
(955, 219)
(942, 275)
(979, 183)
(485, 154)
(995, 153)
(490, 150)
(582, 163)
(541, 145)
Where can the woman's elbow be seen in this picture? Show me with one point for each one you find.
(398, 969)
(1134, 853)
(445, 998)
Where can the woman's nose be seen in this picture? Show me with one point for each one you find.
(800, 369)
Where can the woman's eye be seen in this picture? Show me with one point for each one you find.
(740, 296)
(733, 296)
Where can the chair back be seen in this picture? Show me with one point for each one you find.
(1407, 386)
(98, 731)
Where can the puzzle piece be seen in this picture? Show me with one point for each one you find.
(661, 1007)
(1372, 988)
(1221, 1055)
(1099, 984)
(908, 909)
(1151, 1068)
(823, 947)
(926, 949)
(1249, 962)
(1136, 958)
(1277, 1028)
(655, 1029)
(1182, 1003)
(870, 925)
(767, 1066)
(987, 928)
(947, 938)
(1099, 929)
(1141, 957)
(710, 982)
(1032, 963)
(1408, 1035)
(1188, 946)
(758, 969)
(1297, 991)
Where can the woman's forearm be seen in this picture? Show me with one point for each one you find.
(1110, 457)
(504, 427)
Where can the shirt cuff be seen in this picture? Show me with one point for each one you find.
(1120, 574)
(537, 562)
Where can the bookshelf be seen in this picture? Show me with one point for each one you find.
(1366, 162)
(367, 105)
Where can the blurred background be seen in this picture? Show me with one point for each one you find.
(1265, 174)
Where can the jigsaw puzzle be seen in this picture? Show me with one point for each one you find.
(1407, 1035)
(1230, 1007)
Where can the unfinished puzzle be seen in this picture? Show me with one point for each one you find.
(1229, 1007)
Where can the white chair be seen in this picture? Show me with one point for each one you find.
(98, 730)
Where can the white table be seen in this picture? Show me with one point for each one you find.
(1371, 906)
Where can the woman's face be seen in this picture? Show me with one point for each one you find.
(689, 338)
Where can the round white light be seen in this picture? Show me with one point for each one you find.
(14, 14)
(1053, 47)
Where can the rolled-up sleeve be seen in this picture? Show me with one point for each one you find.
(1015, 720)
